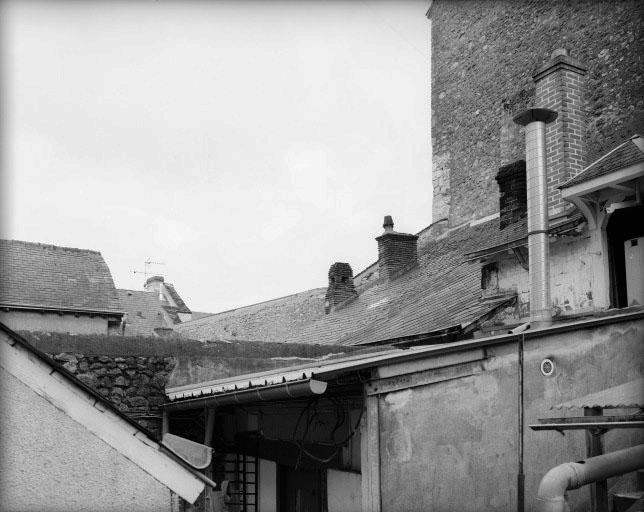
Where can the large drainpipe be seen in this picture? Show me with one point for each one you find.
(551, 496)
(535, 120)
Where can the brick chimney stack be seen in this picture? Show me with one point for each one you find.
(560, 87)
(341, 287)
(397, 252)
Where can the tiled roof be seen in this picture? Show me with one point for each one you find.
(626, 154)
(272, 321)
(442, 292)
(145, 312)
(53, 277)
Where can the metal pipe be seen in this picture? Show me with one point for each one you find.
(535, 120)
(551, 496)
(282, 391)
(520, 474)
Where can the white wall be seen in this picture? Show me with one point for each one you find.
(53, 322)
(50, 462)
(344, 490)
(267, 486)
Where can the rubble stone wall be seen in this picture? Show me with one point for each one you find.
(135, 384)
(483, 57)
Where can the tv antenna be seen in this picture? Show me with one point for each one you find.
(146, 268)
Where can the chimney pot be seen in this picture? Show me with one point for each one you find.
(388, 224)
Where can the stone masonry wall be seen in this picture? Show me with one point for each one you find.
(134, 384)
(484, 55)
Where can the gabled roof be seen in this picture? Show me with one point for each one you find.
(273, 321)
(180, 305)
(443, 292)
(145, 312)
(625, 155)
(51, 277)
(113, 427)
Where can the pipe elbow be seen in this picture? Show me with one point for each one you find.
(551, 496)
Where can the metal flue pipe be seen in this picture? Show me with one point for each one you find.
(551, 496)
(535, 120)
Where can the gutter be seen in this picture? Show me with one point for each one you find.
(286, 390)
(53, 309)
(552, 493)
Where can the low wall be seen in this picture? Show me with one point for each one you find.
(134, 384)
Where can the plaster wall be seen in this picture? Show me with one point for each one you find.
(53, 322)
(50, 462)
(344, 491)
(452, 445)
(577, 278)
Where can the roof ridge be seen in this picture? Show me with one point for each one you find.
(254, 304)
(53, 246)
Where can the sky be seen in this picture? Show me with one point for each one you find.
(245, 145)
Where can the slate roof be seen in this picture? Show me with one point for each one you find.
(626, 154)
(444, 291)
(144, 312)
(52, 277)
(181, 306)
(272, 321)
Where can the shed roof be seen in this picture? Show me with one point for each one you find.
(625, 155)
(53, 277)
(627, 395)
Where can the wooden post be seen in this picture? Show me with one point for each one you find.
(594, 447)
(370, 455)
(208, 433)
(165, 423)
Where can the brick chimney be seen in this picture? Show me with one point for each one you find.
(513, 198)
(560, 87)
(397, 252)
(340, 287)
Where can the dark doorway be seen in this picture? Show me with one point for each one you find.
(625, 224)
(301, 491)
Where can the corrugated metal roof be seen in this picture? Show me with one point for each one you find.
(624, 396)
(319, 369)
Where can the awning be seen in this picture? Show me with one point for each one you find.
(624, 396)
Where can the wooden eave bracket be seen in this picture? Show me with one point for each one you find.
(521, 254)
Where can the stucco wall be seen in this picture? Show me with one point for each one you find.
(453, 445)
(50, 462)
(53, 322)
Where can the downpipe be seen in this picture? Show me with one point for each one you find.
(552, 493)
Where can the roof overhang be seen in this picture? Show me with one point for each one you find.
(607, 190)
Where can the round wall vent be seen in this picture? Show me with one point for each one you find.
(547, 367)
